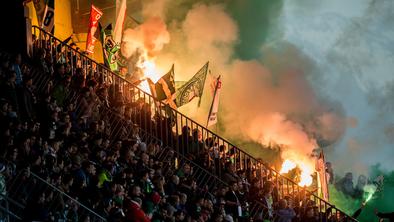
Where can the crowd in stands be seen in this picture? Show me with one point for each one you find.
(56, 129)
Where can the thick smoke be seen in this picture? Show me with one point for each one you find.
(150, 36)
(305, 83)
(207, 33)
(268, 104)
(154, 8)
(354, 52)
(296, 81)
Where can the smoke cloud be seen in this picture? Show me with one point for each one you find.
(288, 79)
(270, 103)
(355, 60)
(151, 36)
(292, 80)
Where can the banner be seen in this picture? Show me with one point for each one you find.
(120, 17)
(192, 88)
(95, 15)
(212, 116)
(164, 89)
(110, 48)
(322, 176)
(48, 20)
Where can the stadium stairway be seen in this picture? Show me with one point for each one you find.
(171, 123)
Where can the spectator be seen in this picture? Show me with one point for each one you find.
(16, 67)
(27, 99)
(184, 172)
(135, 213)
(345, 185)
(359, 189)
(233, 205)
(230, 175)
(267, 200)
(172, 186)
(309, 215)
(330, 173)
(8, 91)
(285, 213)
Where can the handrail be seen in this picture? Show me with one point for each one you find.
(10, 213)
(68, 196)
(217, 137)
(6, 209)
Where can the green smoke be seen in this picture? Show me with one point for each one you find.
(381, 200)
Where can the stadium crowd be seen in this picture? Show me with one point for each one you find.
(58, 129)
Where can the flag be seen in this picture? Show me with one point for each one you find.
(48, 20)
(110, 48)
(120, 18)
(164, 89)
(95, 15)
(322, 176)
(212, 116)
(39, 6)
(192, 88)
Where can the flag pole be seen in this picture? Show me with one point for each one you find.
(202, 91)
(213, 100)
(325, 176)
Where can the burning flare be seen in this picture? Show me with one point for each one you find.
(149, 70)
(287, 166)
(306, 171)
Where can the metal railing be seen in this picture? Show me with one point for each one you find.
(171, 126)
(7, 206)
(33, 196)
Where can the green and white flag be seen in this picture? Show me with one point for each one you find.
(192, 88)
(164, 89)
(110, 48)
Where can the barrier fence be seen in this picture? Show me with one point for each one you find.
(174, 129)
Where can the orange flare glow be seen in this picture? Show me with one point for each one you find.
(306, 171)
(287, 166)
(150, 71)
